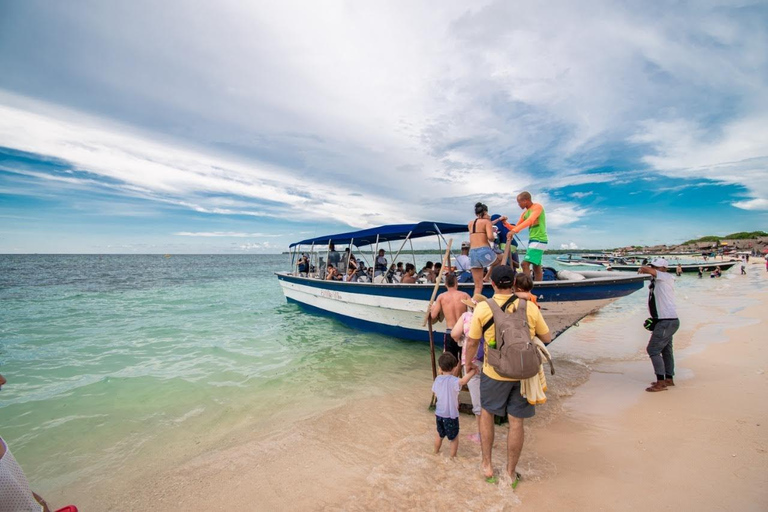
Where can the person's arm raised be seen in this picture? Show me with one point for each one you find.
(530, 221)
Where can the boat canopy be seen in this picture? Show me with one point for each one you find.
(386, 234)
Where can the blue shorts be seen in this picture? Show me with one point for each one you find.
(481, 257)
(447, 427)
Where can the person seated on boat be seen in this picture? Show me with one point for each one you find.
(438, 268)
(391, 276)
(334, 256)
(332, 274)
(380, 266)
(480, 253)
(349, 260)
(410, 274)
(462, 264)
(303, 265)
(399, 270)
(428, 272)
(350, 276)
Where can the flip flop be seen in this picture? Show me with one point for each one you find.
(518, 477)
(492, 479)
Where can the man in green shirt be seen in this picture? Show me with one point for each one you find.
(534, 218)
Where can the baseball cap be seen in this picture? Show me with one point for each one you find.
(503, 275)
(659, 262)
(465, 245)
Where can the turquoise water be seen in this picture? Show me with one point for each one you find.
(113, 359)
(104, 354)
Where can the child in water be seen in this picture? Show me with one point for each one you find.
(446, 388)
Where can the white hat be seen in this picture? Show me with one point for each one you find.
(660, 263)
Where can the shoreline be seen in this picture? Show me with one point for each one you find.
(698, 446)
(582, 451)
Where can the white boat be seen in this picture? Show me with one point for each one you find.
(398, 310)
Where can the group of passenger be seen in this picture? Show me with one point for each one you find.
(472, 332)
(488, 256)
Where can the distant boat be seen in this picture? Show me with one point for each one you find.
(166, 255)
(688, 268)
(397, 309)
(577, 262)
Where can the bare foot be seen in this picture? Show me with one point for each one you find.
(475, 438)
(488, 474)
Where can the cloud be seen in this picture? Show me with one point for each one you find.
(229, 234)
(384, 112)
(581, 195)
(735, 152)
(571, 245)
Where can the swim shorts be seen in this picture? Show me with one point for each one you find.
(447, 427)
(451, 346)
(535, 252)
(501, 397)
(481, 257)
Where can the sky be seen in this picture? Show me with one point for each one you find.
(240, 127)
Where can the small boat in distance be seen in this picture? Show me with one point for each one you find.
(687, 268)
(397, 309)
(577, 262)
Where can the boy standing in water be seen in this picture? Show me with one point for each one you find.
(446, 388)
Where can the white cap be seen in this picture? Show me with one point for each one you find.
(660, 263)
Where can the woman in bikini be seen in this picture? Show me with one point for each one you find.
(480, 253)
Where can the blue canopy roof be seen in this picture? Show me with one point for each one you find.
(386, 234)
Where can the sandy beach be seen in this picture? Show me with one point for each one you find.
(600, 443)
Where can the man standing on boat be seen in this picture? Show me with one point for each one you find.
(534, 218)
(450, 304)
(500, 395)
(663, 323)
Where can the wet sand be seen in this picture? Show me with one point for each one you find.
(603, 445)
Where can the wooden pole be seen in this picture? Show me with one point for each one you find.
(433, 401)
(437, 282)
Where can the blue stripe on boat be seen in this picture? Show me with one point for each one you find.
(373, 327)
(547, 291)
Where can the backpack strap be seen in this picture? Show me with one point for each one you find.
(491, 304)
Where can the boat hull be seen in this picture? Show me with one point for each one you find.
(399, 309)
(687, 268)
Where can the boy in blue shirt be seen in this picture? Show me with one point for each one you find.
(446, 388)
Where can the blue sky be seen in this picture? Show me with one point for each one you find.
(181, 127)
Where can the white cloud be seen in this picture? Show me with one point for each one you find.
(736, 154)
(571, 245)
(581, 195)
(391, 111)
(228, 234)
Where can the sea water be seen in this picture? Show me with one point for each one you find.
(120, 358)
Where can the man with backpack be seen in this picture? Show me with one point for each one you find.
(500, 394)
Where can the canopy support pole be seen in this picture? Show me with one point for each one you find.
(374, 256)
(293, 260)
(311, 253)
(327, 255)
(412, 254)
(440, 235)
(349, 256)
(408, 237)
